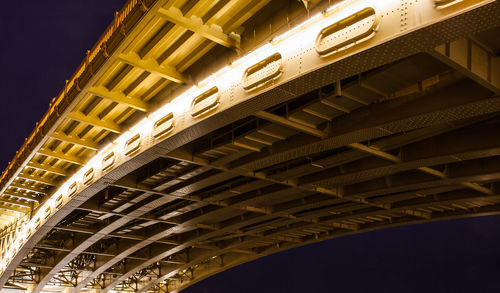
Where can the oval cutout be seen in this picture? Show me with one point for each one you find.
(163, 126)
(72, 189)
(206, 102)
(47, 212)
(262, 72)
(445, 3)
(9, 240)
(29, 232)
(347, 32)
(15, 249)
(37, 223)
(59, 201)
(108, 161)
(88, 176)
(133, 145)
(21, 225)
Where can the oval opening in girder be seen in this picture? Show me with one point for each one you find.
(445, 3)
(47, 212)
(163, 126)
(206, 102)
(262, 72)
(72, 189)
(133, 145)
(88, 176)
(37, 223)
(108, 161)
(354, 29)
(59, 201)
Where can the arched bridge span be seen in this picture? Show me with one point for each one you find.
(368, 115)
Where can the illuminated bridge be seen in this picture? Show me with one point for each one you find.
(199, 135)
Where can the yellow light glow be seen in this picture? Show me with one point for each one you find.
(288, 44)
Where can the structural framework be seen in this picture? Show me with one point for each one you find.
(198, 135)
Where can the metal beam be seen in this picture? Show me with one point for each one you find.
(108, 125)
(374, 152)
(291, 124)
(75, 140)
(151, 65)
(107, 255)
(17, 194)
(158, 253)
(28, 187)
(4, 220)
(47, 168)
(186, 156)
(37, 179)
(119, 97)
(11, 214)
(14, 209)
(93, 231)
(227, 206)
(473, 60)
(91, 208)
(273, 233)
(478, 170)
(197, 26)
(432, 171)
(16, 202)
(65, 157)
(378, 120)
(350, 141)
(334, 106)
(64, 257)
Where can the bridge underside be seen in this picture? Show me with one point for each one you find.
(413, 141)
(410, 140)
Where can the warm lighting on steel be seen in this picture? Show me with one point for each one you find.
(203, 99)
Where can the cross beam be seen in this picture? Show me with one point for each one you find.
(197, 26)
(119, 97)
(75, 140)
(151, 65)
(110, 126)
(474, 60)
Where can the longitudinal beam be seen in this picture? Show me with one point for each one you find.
(208, 121)
(405, 210)
(291, 124)
(65, 257)
(381, 119)
(275, 233)
(231, 260)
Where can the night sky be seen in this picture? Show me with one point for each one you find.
(41, 45)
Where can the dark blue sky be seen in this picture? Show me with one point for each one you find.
(450, 256)
(41, 45)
